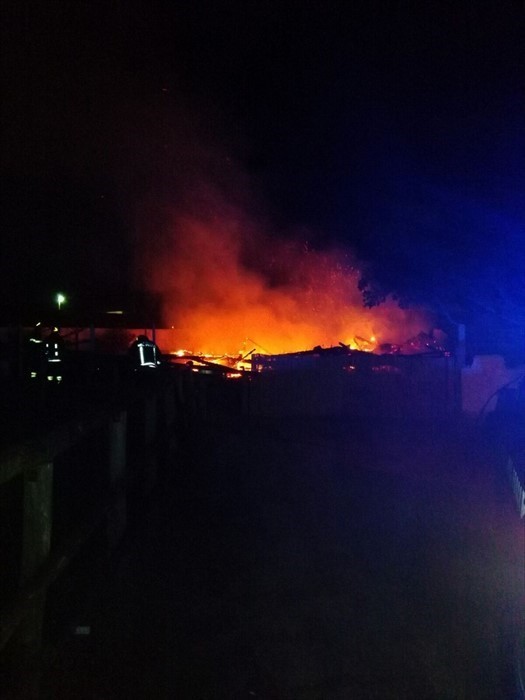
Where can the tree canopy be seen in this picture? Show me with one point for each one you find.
(465, 263)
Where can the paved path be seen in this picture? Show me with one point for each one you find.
(312, 560)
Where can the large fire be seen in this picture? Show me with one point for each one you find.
(228, 289)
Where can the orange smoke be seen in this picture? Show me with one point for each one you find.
(226, 287)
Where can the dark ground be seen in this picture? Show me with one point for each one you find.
(308, 560)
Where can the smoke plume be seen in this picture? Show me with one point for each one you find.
(229, 284)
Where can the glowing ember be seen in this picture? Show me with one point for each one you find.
(363, 344)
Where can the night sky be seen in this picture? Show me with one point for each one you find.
(394, 128)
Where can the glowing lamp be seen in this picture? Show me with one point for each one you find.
(61, 299)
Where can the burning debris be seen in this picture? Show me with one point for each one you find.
(423, 343)
(434, 342)
(230, 366)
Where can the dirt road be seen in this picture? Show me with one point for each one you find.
(312, 560)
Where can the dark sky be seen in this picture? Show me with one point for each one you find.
(346, 118)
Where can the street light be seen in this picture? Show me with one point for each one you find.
(61, 299)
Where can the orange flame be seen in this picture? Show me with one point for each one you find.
(228, 288)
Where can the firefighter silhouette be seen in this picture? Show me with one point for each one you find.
(54, 353)
(144, 354)
(36, 354)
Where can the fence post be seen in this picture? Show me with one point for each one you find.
(150, 434)
(461, 354)
(117, 520)
(36, 543)
(170, 418)
(38, 499)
